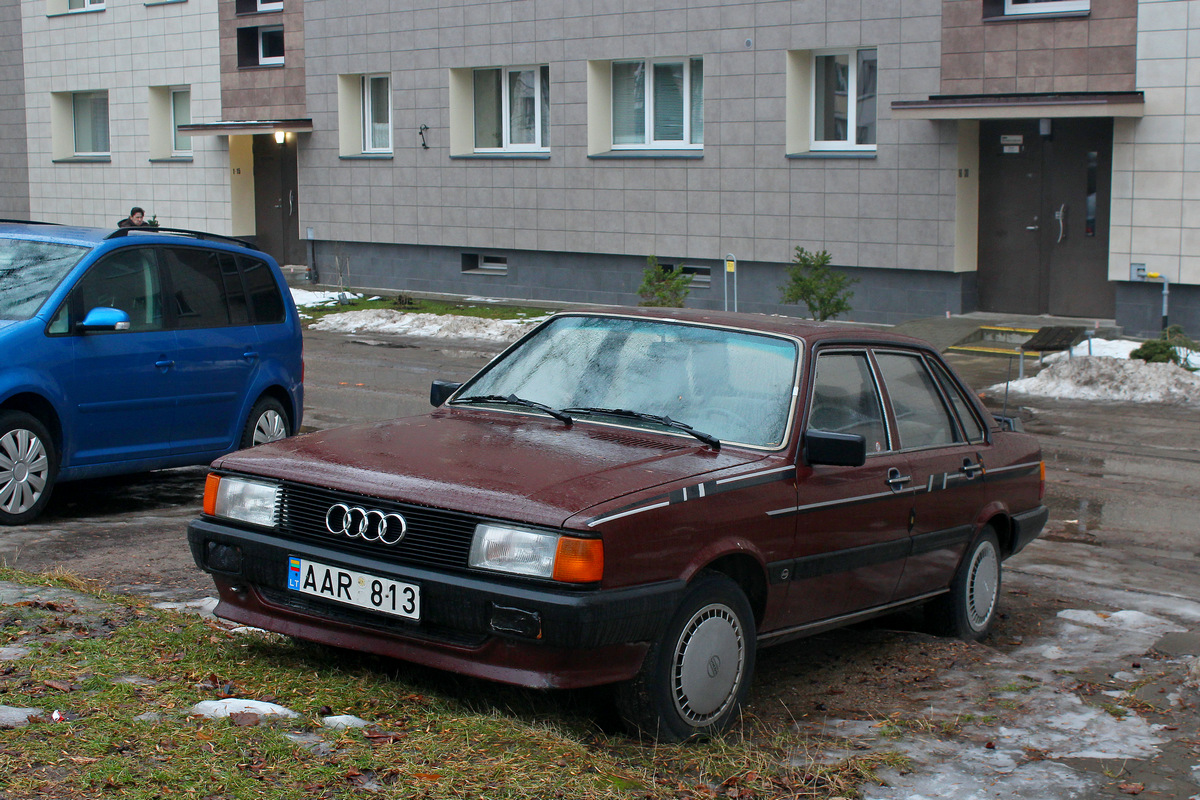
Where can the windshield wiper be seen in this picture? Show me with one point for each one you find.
(707, 438)
(513, 400)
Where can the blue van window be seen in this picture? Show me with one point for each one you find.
(235, 292)
(30, 271)
(197, 288)
(128, 280)
(265, 300)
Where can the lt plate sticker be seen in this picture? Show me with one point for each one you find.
(354, 588)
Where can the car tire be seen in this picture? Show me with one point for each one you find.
(695, 678)
(969, 610)
(268, 422)
(28, 467)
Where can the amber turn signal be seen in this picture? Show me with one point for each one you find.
(579, 560)
(210, 493)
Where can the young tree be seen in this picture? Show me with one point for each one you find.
(664, 287)
(811, 281)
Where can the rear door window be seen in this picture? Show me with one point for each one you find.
(971, 426)
(922, 419)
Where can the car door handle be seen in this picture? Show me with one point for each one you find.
(896, 480)
(250, 355)
(972, 470)
(164, 364)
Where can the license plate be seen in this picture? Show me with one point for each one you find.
(354, 588)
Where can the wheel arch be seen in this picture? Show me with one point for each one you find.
(748, 574)
(278, 393)
(39, 407)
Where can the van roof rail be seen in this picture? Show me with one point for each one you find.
(204, 235)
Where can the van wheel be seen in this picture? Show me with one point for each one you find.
(268, 422)
(695, 678)
(969, 610)
(28, 467)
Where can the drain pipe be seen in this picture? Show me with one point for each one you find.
(1166, 293)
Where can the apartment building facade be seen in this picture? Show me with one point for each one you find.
(1019, 156)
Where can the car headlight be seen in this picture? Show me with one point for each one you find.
(538, 554)
(240, 499)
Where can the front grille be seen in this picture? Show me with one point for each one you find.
(434, 538)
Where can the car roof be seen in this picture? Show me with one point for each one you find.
(806, 329)
(93, 237)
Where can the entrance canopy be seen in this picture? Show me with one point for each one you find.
(1021, 106)
(239, 127)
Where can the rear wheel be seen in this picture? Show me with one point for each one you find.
(268, 422)
(969, 610)
(695, 678)
(28, 467)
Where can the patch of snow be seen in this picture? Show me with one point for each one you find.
(343, 721)
(215, 709)
(305, 298)
(12, 717)
(13, 653)
(386, 320)
(202, 606)
(1107, 378)
(1108, 348)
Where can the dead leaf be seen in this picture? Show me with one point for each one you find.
(1132, 788)
(60, 685)
(427, 776)
(244, 719)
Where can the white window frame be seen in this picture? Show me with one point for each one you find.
(176, 150)
(264, 60)
(75, 126)
(269, 5)
(650, 143)
(817, 143)
(85, 5)
(367, 116)
(1045, 7)
(506, 143)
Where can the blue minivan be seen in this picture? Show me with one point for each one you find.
(136, 349)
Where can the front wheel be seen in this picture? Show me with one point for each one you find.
(268, 422)
(969, 610)
(696, 677)
(28, 467)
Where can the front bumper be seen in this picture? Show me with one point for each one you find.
(489, 627)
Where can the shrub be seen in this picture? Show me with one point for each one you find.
(1165, 349)
(824, 290)
(664, 286)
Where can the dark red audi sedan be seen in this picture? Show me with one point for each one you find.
(638, 498)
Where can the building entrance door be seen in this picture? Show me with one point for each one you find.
(276, 204)
(1043, 217)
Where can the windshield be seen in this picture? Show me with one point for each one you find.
(29, 271)
(734, 385)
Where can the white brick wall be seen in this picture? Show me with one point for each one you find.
(125, 49)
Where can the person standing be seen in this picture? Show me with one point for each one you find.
(136, 219)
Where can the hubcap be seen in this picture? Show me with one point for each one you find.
(24, 469)
(710, 659)
(269, 428)
(984, 581)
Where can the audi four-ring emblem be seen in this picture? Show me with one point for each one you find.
(368, 524)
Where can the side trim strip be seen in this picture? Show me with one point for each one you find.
(697, 491)
(832, 622)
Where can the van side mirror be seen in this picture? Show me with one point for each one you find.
(440, 391)
(103, 318)
(835, 449)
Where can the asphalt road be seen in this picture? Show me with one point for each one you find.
(1121, 486)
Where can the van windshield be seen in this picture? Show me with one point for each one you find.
(29, 272)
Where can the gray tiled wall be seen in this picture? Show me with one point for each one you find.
(14, 155)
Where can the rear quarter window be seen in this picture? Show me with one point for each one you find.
(266, 303)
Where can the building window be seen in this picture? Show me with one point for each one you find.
(482, 264)
(260, 46)
(270, 5)
(376, 114)
(658, 103)
(844, 93)
(1014, 7)
(181, 114)
(84, 5)
(90, 117)
(512, 109)
(270, 46)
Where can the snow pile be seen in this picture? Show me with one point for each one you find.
(306, 299)
(1107, 378)
(386, 320)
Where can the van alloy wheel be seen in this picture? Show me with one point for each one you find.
(28, 467)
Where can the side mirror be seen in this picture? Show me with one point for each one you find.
(835, 449)
(440, 392)
(103, 318)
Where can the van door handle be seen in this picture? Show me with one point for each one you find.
(250, 355)
(896, 480)
(164, 364)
